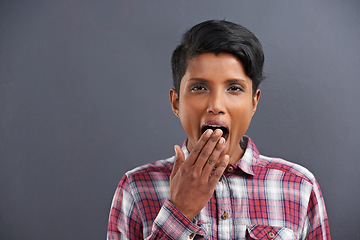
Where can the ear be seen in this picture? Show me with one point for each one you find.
(256, 98)
(174, 100)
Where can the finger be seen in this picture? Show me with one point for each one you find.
(218, 171)
(179, 160)
(193, 155)
(208, 149)
(215, 158)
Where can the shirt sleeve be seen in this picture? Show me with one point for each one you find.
(170, 223)
(317, 224)
(126, 221)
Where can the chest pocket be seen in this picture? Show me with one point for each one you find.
(269, 233)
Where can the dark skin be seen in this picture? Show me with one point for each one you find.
(214, 88)
(193, 181)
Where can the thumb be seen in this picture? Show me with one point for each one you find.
(179, 160)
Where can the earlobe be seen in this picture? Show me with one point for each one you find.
(174, 101)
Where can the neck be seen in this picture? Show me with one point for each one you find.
(236, 155)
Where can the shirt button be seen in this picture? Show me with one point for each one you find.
(230, 168)
(271, 235)
(224, 216)
(191, 236)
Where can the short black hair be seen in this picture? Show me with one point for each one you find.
(219, 36)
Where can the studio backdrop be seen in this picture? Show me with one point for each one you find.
(84, 98)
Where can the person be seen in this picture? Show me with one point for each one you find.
(218, 186)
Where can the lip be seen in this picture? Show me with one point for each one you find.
(219, 123)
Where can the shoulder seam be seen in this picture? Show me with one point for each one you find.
(302, 172)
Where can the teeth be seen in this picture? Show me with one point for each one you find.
(213, 126)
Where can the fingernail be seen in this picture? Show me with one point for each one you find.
(218, 132)
(175, 151)
(208, 132)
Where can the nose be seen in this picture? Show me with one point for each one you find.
(216, 103)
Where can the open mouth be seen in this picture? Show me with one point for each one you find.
(214, 127)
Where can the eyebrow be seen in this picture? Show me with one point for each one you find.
(198, 80)
(236, 80)
(202, 80)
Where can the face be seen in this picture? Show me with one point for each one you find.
(215, 92)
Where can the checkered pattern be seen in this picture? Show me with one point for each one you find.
(260, 198)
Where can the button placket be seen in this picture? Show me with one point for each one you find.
(223, 202)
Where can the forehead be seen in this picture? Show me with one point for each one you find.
(215, 66)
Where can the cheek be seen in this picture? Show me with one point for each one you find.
(190, 117)
(188, 114)
(242, 117)
(190, 108)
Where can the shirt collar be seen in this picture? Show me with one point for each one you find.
(250, 157)
(247, 162)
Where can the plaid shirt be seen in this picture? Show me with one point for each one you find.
(257, 198)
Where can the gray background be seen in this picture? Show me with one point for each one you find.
(84, 98)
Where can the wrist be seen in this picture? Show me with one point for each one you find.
(184, 210)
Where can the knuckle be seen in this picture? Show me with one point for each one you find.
(191, 174)
(214, 139)
(203, 139)
(205, 152)
(196, 150)
(212, 159)
(201, 142)
(216, 174)
(223, 164)
(183, 171)
(219, 147)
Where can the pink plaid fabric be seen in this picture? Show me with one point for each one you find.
(257, 198)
